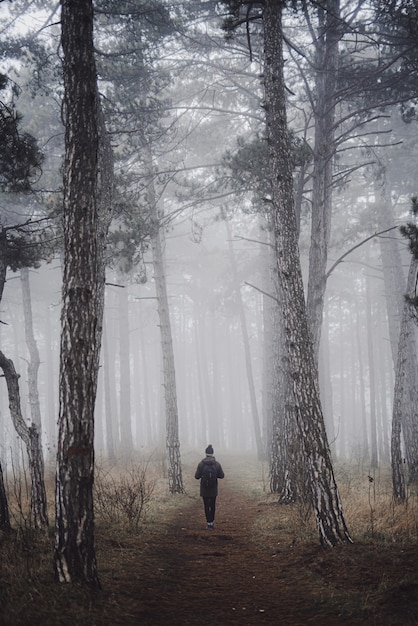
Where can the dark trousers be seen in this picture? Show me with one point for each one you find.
(209, 504)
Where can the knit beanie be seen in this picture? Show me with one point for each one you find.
(209, 449)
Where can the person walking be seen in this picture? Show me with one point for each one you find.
(208, 471)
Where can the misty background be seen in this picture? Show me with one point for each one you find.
(197, 98)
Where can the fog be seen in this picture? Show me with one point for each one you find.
(215, 102)
(213, 396)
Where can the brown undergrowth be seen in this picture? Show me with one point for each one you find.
(261, 565)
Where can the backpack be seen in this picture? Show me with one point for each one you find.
(210, 475)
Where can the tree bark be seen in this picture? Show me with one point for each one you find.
(175, 478)
(325, 385)
(395, 286)
(302, 363)
(326, 64)
(202, 374)
(4, 507)
(284, 454)
(33, 369)
(372, 375)
(30, 436)
(51, 420)
(109, 411)
(405, 337)
(34, 360)
(246, 344)
(362, 425)
(3, 260)
(125, 422)
(87, 213)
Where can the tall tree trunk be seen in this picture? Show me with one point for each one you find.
(406, 335)
(302, 363)
(147, 436)
(34, 360)
(363, 431)
(326, 64)
(215, 426)
(108, 378)
(175, 478)
(267, 334)
(342, 436)
(246, 343)
(204, 399)
(274, 373)
(325, 384)
(395, 286)
(3, 259)
(372, 375)
(384, 384)
(125, 421)
(88, 185)
(51, 377)
(30, 436)
(283, 448)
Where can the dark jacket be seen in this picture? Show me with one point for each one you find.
(209, 492)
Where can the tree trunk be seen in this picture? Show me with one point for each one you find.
(34, 360)
(283, 448)
(146, 437)
(372, 375)
(342, 436)
(216, 416)
(108, 378)
(40, 510)
(175, 479)
(325, 385)
(405, 337)
(362, 426)
(302, 363)
(394, 281)
(51, 420)
(246, 344)
(126, 441)
(87, 214)
(273, 374)
(384, 358)
(30, 436)
(4, 507)
(3, 260)
(202, 374)
(326, 64)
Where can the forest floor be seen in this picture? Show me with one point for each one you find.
(252, 569)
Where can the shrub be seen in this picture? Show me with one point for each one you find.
(123, 500)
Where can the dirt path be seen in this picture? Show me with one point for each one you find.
(260, 565)
(188, 575)
(252, 569)
(215, 577)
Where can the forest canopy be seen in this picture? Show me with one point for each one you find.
(213, 196)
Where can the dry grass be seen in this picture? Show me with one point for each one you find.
(370, 510)
(368, 506)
